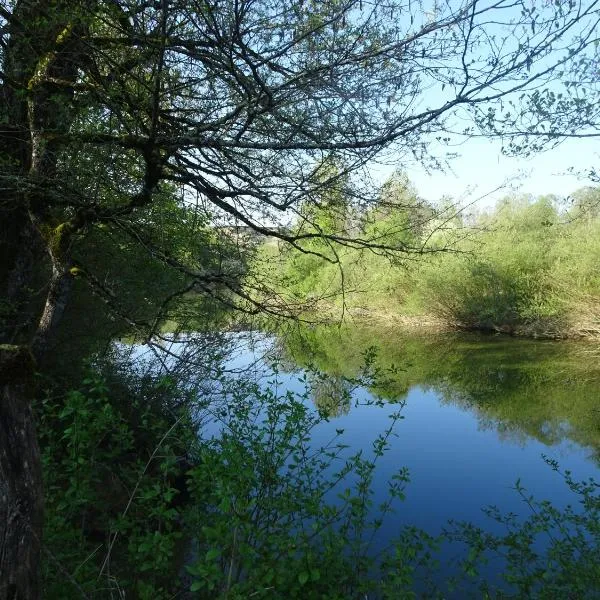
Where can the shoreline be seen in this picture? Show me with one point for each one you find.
(432, 324)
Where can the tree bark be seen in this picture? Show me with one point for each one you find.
(57, 298)
(43, 46)
(21, 504)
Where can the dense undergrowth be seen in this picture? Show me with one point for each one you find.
(528, 267)
(153, 491)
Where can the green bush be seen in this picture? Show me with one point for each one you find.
(553, 553)
(111, 464)
(529, 267)
(277, 517)
(251, 508)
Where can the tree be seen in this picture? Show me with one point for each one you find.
(566, 106)
(400, 216)
(326, 211)
(585, 203)
(110, 105)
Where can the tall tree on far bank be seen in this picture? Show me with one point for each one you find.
(106, 104)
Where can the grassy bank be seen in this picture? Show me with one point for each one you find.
(529, 267)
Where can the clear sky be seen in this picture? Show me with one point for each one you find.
(481, 168)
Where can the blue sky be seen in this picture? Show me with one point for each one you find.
(481, 168)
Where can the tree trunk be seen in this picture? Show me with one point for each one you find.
(21, 505)
(56, 303)
(42, 45)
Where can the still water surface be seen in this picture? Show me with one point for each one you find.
(479, 412)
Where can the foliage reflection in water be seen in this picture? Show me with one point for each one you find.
(480, 413)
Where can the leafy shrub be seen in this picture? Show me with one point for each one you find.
(553, 553)
(527, 268)
(111, 466)
(278, 517)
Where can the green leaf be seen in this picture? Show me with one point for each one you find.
(212, 554)
(303, 577)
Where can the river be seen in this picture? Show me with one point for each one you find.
(477, 414)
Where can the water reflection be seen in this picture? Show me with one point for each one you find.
(520, 389)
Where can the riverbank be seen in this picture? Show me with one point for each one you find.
(375, 315)
(529, 268)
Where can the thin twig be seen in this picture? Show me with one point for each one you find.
(131, 497)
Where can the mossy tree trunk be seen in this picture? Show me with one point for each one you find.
(40, 62)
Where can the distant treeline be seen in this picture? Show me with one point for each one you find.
(530, 266)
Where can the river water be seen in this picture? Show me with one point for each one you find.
(479, 413)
